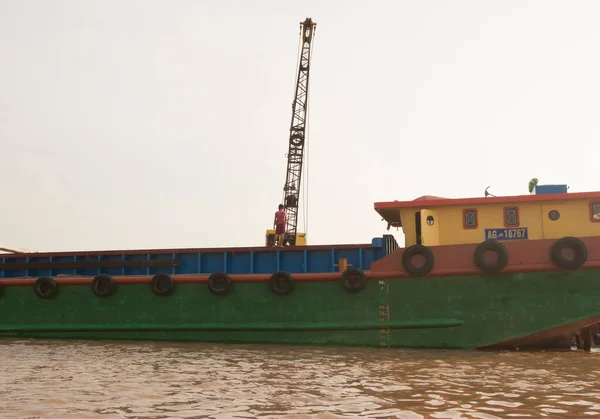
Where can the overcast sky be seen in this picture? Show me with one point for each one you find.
(144, 124)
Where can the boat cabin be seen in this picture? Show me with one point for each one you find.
(550, 213)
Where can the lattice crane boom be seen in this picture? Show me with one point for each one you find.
(295, 155)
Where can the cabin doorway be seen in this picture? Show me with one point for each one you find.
(418, 227)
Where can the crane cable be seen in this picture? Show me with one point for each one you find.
(307, 145)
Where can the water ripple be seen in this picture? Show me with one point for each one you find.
(150, 380)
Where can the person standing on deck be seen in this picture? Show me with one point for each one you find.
(280, 220)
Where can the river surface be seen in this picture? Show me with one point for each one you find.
(75, 379)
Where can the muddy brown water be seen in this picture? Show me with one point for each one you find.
(77, 379)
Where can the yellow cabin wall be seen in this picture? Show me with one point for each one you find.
(489, 216)
(448, 226)
(574, 220)
(409, 229)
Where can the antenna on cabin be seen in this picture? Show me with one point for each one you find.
(486, 193)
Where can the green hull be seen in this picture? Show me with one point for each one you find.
(461, 312)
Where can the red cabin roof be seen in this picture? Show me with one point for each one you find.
(390, 210)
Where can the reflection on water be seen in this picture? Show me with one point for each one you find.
(150, 380)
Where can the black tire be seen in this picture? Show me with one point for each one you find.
(282, 283)
(219, 283)
(574, 244)
(496, 247)
(354, 280)
(162, 284)
(103, 285)
(415, 250)
(45, 287)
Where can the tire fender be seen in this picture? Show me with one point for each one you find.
(353, 279)
(45, 287)
(573, 243)
(415, 250)
(496, 247)
(282, 283)
(103, 285)
(162, 284)
(219, 283)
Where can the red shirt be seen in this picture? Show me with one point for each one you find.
(280, 217)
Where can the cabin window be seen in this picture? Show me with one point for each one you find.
(511, 217)
(470, 218)
(595, 211)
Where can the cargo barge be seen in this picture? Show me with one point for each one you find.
(513, 272)
(490, 273)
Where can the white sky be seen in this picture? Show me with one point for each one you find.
(136, 124)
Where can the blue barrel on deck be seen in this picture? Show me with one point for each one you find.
(311, 259)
